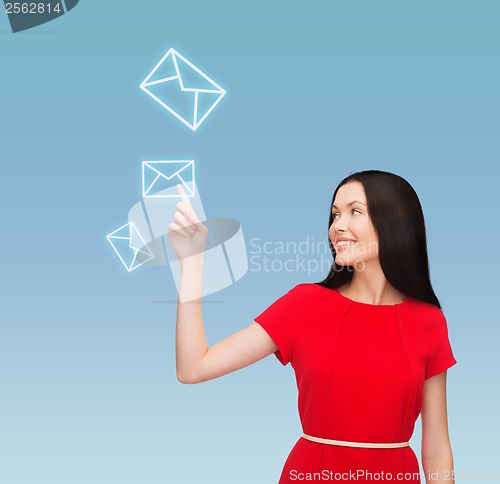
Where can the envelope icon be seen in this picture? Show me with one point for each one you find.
(129, 246)
(157, 176)
(181, 88)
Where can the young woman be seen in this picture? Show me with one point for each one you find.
(369, 344)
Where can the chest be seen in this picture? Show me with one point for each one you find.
(382, 347)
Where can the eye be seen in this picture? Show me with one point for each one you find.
(353, 210)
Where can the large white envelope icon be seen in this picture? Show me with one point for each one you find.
(157, 176)
(129, 246)
(181, 88)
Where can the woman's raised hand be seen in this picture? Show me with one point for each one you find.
(187, 233)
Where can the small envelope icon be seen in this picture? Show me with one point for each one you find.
(130, 247)
(157, 176)
(181, 88)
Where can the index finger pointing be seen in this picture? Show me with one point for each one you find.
(189, 213)
(183, 195)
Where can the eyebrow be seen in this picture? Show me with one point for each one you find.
(351, 203)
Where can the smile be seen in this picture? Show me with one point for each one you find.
(343, 245)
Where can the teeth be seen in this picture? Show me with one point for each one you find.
(345, 242)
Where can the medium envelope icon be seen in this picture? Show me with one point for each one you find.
(184, 90)
(157, 176)
(130, 247)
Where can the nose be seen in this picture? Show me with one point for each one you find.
(337, 225)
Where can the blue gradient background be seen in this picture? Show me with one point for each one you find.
(89, 392)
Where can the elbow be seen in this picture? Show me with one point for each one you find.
(183, 378)
(441, 457)
(187, 379)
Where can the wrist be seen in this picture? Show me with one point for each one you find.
(193, 262)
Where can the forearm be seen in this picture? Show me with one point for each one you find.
(191, 342)
(438, 469)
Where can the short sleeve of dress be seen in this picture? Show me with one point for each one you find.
(281, 319)
(440, 354)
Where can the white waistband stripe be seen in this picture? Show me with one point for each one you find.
(346, 443)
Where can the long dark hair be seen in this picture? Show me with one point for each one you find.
(396, 214)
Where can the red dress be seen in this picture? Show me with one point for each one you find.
(360, 370)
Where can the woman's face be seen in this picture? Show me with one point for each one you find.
(351, 221)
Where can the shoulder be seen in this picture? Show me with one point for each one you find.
(300, 293)
(312, 290)
(427, 315)
(313, 297)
